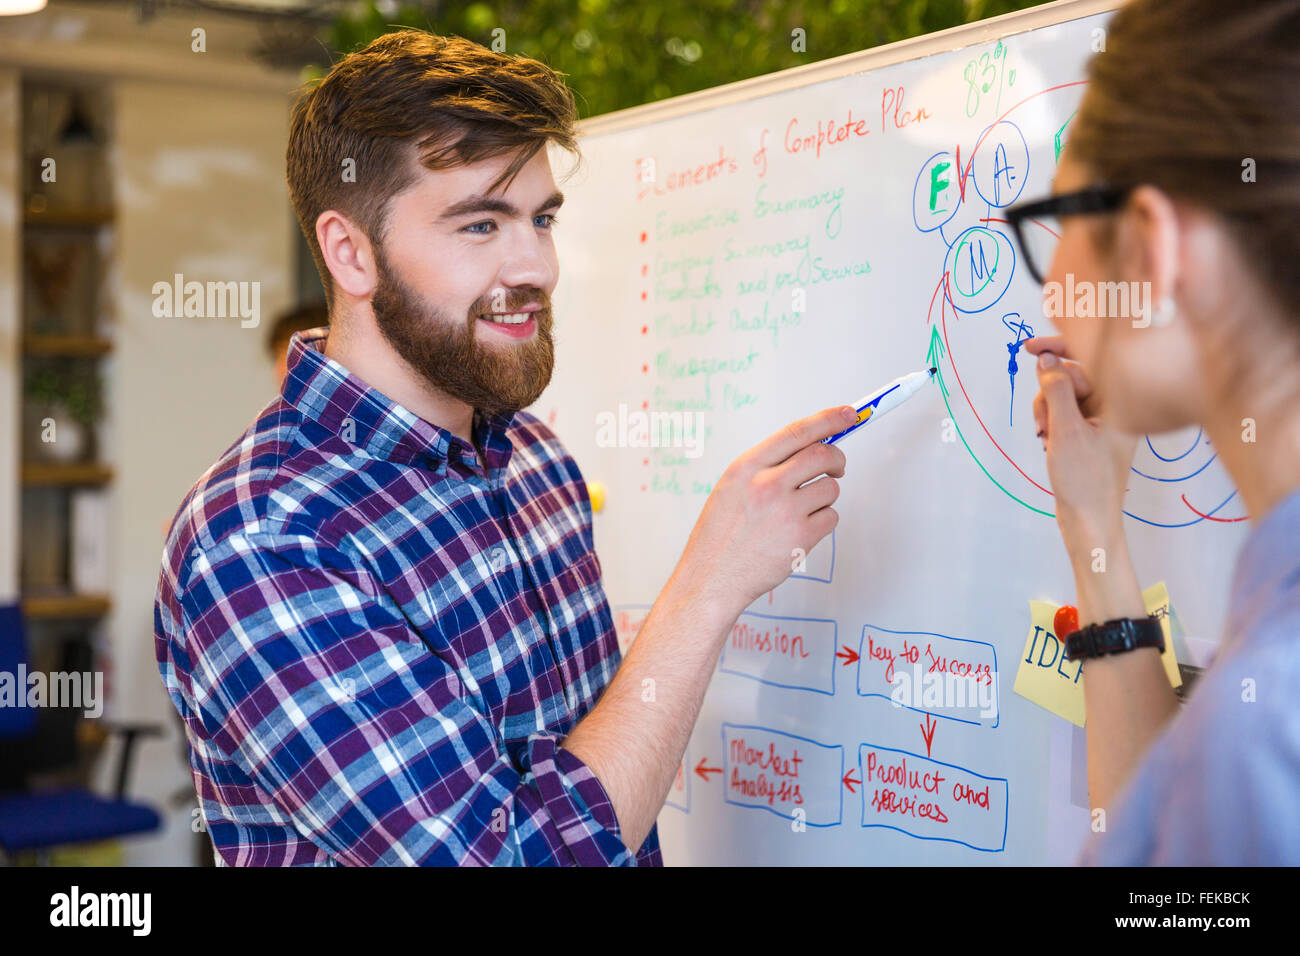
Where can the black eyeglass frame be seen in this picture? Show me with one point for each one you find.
(1093, 199)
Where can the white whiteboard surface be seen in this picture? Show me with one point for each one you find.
(945, 530)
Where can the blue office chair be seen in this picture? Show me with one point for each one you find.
(40, 820)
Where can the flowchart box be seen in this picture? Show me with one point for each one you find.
(931, 800)
(793, 652)
(790, 776)
(950, 677)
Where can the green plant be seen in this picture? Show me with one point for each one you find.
(71, 383)
(616, 54)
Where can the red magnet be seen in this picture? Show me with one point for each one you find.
(1066, 620)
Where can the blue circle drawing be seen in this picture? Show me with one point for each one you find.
(931, 175)
(979, 265)
(1002, 164)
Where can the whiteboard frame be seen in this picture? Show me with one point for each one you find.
(954, 38)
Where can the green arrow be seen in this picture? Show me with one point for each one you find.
(934, 354)
(937, 351)
(1056, 140)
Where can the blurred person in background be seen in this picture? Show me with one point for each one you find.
(301, 318)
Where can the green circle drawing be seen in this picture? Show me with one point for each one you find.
(993, 271)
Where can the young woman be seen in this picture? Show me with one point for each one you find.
(1183, 171)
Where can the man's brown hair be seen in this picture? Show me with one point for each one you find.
(456, 100)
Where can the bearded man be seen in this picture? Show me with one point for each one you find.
(380, 614)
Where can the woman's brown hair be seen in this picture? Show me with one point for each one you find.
(1201, 98)
(459, 102)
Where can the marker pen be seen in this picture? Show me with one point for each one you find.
(884, 398)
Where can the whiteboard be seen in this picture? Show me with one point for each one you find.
(755, 253)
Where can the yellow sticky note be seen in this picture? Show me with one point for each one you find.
(1156, 599)
(1044, 675)
(1049, 680)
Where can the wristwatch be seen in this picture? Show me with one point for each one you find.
(1115, 637)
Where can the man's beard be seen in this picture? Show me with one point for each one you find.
(448, 354)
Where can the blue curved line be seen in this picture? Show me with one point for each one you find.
(1185, 524)
(1195, 442)
(988, 212)
(1185, 477)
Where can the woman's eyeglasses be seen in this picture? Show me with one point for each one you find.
(1037, 224)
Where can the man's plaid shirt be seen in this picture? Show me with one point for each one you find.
(377, 644)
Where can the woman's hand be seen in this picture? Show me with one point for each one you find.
(1127, 696)
(1088, 461)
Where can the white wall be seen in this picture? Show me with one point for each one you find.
(201, 194)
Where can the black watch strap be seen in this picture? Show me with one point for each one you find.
(1115, 637)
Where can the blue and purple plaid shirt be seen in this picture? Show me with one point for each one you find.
(377, 642)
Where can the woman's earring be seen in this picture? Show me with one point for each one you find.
(1164, 313)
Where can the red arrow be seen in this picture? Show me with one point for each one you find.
(935, 295)
(848, 782)
(848, 654)
(704, 771)
(927, 731)
(961, 175)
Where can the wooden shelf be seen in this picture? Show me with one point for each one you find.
(71, 346)
(77, 473)
(86, 218)
(64, 258)
(49, 607)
